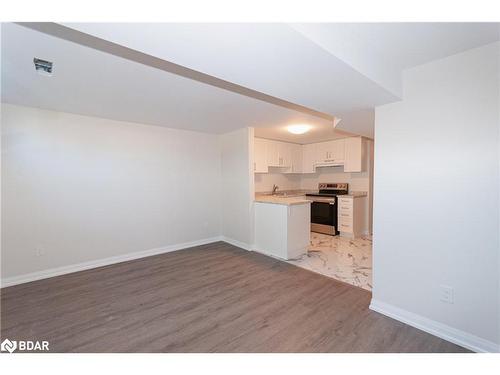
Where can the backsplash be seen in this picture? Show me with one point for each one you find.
(356, 181)
(264, 181)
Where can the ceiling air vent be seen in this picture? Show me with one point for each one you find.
(43, 67)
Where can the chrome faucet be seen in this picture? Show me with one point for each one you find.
(275, 187)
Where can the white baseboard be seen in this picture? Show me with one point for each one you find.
(9, 281)
(237, 243)
(456, 336)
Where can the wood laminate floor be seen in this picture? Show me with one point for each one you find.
(211, 298)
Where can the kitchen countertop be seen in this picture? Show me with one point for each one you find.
(288, 200)
(354, 194)
(291, 197)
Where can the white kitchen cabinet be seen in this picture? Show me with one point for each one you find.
(337, 152)
(279, 154)
(309, 158)
(272, 154)
(331, 151)
(355, 154)
(322, 152)
(296, 159)
(284, 154)
(350, 152)
(260, 155)
(282, 230)
(351, 216)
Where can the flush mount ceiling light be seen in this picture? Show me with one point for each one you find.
(299, 129)
(43, 67)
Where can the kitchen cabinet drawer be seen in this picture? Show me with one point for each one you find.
(345, 208)
(345, 227)
(345, 214)
(345, 201)
(345, 220)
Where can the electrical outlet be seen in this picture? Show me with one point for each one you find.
(446, 294)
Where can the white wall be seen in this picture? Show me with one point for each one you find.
(498, 119)
(237, 187)
(436, 213)
(82, 188)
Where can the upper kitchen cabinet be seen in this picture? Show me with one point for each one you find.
(355, 154)
(284, 154)
(337, 152)
(279, 154)
(331, 151)
(351, 153)
(260, 155)
(272, 154)
(309, 158)
(296, 158)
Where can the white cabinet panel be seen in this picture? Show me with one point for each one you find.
(282, 231)
(308, 158)
(351, 216)
(284, 154)
(279, 154)
(272, 154)
(322, 151)
(354, 155)
(332, 151)
(260, 155)
(337, 153)
(296, 159)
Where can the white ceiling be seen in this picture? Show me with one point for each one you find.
(381, 51)
(262, 75)
(271, 58)
(94, 83)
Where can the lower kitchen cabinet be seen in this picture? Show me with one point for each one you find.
(282, 230)
(352, 213)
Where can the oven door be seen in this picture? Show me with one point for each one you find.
(324, 216)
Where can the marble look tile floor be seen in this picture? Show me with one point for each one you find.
(344, 259)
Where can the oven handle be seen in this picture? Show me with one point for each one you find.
(324, 201)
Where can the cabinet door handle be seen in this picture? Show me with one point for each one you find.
(254, 166)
